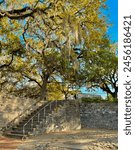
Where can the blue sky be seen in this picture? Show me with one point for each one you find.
(112, 15)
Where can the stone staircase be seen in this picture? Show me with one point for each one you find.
(32, 122)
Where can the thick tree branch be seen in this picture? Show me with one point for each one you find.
(106, 88)
(22, 13)
(32, 80)
(7, 65)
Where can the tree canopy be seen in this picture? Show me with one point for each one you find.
(55, 41)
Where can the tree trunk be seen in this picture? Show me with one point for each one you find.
(114, 95)
(106, 88)
(43, 93)
(66, 96)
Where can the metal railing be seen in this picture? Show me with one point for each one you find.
(36, 116)
(27, 111)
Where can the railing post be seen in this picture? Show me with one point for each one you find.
(32, 123)
(50, 106)
(38, 116)
(23, 130)
(44, 111)
(56, 105)
(27, 112)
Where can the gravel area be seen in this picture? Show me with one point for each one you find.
(93, 139)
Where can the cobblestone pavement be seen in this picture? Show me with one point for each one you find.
(93, 139)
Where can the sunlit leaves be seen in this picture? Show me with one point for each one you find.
(51, 37)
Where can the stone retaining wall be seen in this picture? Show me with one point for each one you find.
(65, 118)
(11, 107)
(99, 115)
(68, 117)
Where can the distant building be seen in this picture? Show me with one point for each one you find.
(81, 95)
(85, 95)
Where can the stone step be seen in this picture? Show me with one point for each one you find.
(21, 128)
(41, 114)
(33, 118)
(33, 113)
(21, 131)
(17, 131)
(35, 122)
(16, 136)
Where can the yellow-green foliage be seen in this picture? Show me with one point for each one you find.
(50, 35)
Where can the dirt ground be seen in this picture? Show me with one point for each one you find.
(8, 143)
(74, 140)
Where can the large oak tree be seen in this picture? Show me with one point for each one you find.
(58, 37)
